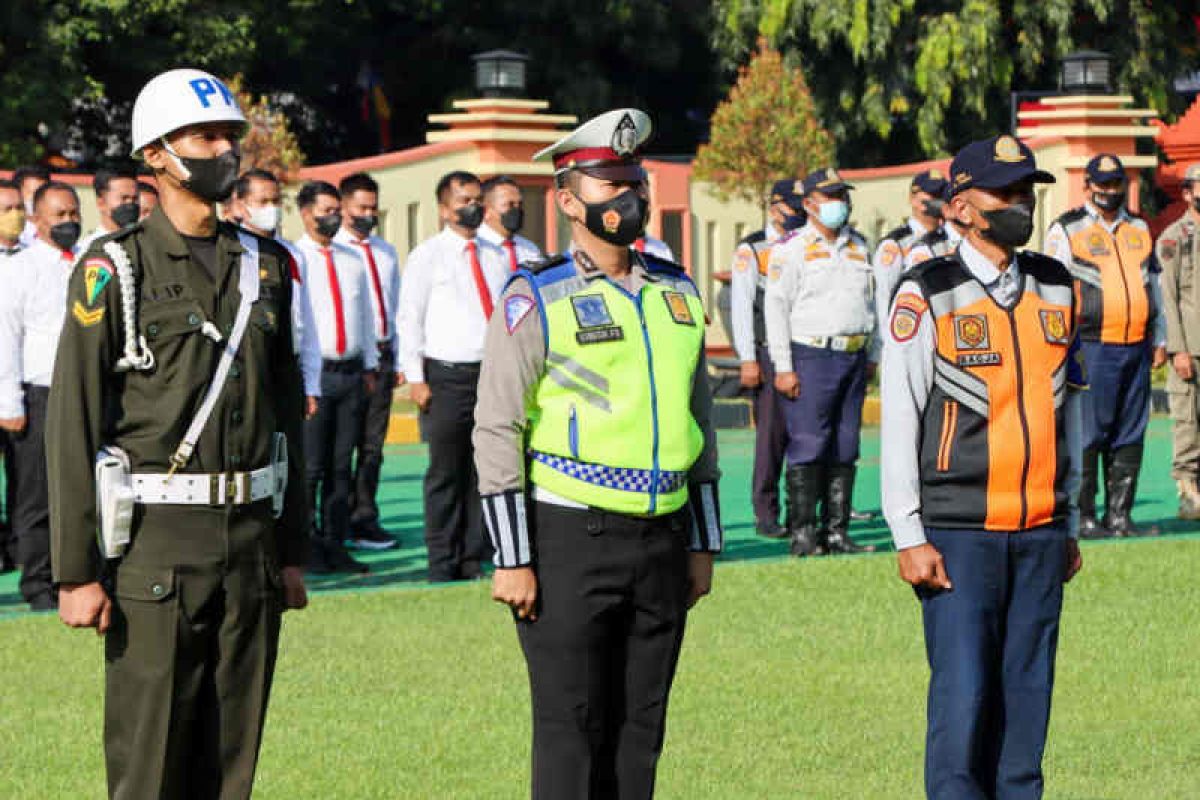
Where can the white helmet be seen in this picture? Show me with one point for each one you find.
(178, 98)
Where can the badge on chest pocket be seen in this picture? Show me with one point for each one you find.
(678, 307)
(593, 316)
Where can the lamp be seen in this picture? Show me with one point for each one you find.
(500, 73)
(1086, 72)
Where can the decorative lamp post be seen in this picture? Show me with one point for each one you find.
(500, 73)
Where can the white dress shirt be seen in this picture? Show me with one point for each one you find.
(441, 315)
(655, 247)
(359, 322)
(29, 235)
(88, 238)
(525, 250)
(747, 280)
(33, 304)
(304, 325)
(906, 381)
(386, 301)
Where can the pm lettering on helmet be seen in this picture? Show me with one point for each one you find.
(205, 88)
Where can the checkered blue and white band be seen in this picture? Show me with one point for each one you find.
(625, 479)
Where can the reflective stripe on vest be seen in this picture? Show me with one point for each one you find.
(610, 423)
(992, 452)
(1111, 272)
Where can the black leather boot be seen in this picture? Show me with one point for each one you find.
(1121, 481)
(1089, 526)
(804, 484)
(839, 489)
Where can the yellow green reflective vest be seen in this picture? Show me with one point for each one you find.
(610, 422)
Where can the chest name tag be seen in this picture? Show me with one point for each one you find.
(988, 359)
(609, 333)
(591, 311)
(678, 307)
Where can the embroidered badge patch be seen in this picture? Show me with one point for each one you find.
(971, 332)
(889, 253)
(744, 259)
(919, 255)
(516, 308)
(97, 272)
(1096, 245)
(1167, 248)
(677, 305)
(1054, 326)
(591, 311)
(904, 323)
(85, 317)
(1134, 240)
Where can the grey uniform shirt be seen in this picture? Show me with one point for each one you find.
(906, 381)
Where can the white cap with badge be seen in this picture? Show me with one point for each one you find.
(608, 146)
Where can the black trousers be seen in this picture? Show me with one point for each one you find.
(770, 442)
(329, 439)
(8, 542)
(30, 515)
(612, 606)
(453, 518)
(376, 414)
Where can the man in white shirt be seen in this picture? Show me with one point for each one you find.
(147, 198)
(116, 201)
(451, 283)
(503, 216)
(12, 222)
(256, 205)
(360, 216)
(32, 307)
(340, 299)
(28, 181)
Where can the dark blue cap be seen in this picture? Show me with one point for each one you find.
(993, 164)
(1104, 168)
(826, 181)
(787, 191)
(931, 181)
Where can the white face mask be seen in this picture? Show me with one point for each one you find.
(265, 218)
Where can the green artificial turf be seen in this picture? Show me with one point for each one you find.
(797, 680)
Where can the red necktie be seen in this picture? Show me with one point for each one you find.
(485, 294)
(639, 244)
(335, 291)
(512, 253)
(375, 283)
(294, 269)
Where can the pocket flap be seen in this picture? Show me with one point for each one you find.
(148, 585)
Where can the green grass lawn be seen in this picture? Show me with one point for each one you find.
(798, 679)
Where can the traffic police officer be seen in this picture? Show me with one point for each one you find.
(892, 254)
(191, 612)
(1109, 253)
(820, 315)
(1178, 255)
(598, 469)
(748, 289)
(980, 467)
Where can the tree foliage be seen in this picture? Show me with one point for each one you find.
(269, 142)
(918, 77)
(767, 129)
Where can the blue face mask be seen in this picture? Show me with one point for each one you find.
(833, 213)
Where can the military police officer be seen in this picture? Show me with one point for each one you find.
(176, 361)
(598, 469)
(820, 314)
(1109, 253)
(1178, 255)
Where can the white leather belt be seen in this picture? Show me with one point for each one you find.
(843, 344)
(189, 489)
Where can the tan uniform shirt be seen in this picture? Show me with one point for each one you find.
(1176, 250)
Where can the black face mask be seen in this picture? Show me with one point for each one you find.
(618, 221)
(792, 222)
(364, 225)
(1009, 227)
(328, 225)
(212, 179)
(469, 216)
(126, 214)
(65, 234)
(513, 219)
(933, 208)
(1108, 201)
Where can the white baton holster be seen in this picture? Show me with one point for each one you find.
(114, 500)
(279, 462)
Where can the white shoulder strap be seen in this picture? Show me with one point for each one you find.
(248, 288)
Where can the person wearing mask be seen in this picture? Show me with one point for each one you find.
(980, 467)
(116, 201)
(451, 282)
(12, 222)
(1178, 255)
(892, 254)
(360, 218)
(1122, 333)
(503, 217)
(598, 468)
(12, 219)
(147, 198)
(340, 295)
(257, 205)
(28, 180)
(938, 242)
(32, 307)
(748, 288)
(820, 320)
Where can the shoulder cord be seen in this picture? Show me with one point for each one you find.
(137, 353)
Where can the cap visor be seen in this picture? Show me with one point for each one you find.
(615, 172)
(1000, 179)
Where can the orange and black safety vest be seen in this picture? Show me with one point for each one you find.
(1112, 277)
(992, 449)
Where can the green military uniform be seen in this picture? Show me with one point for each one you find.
(1177, 251)
(197, 596)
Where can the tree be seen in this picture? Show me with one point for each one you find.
(898, 79)
(765, 130)
(269, 143)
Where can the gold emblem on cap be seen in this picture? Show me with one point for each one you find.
(1107, 164)
(1008, 150)
(798, 187)
(936, 175)
(624, 138)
